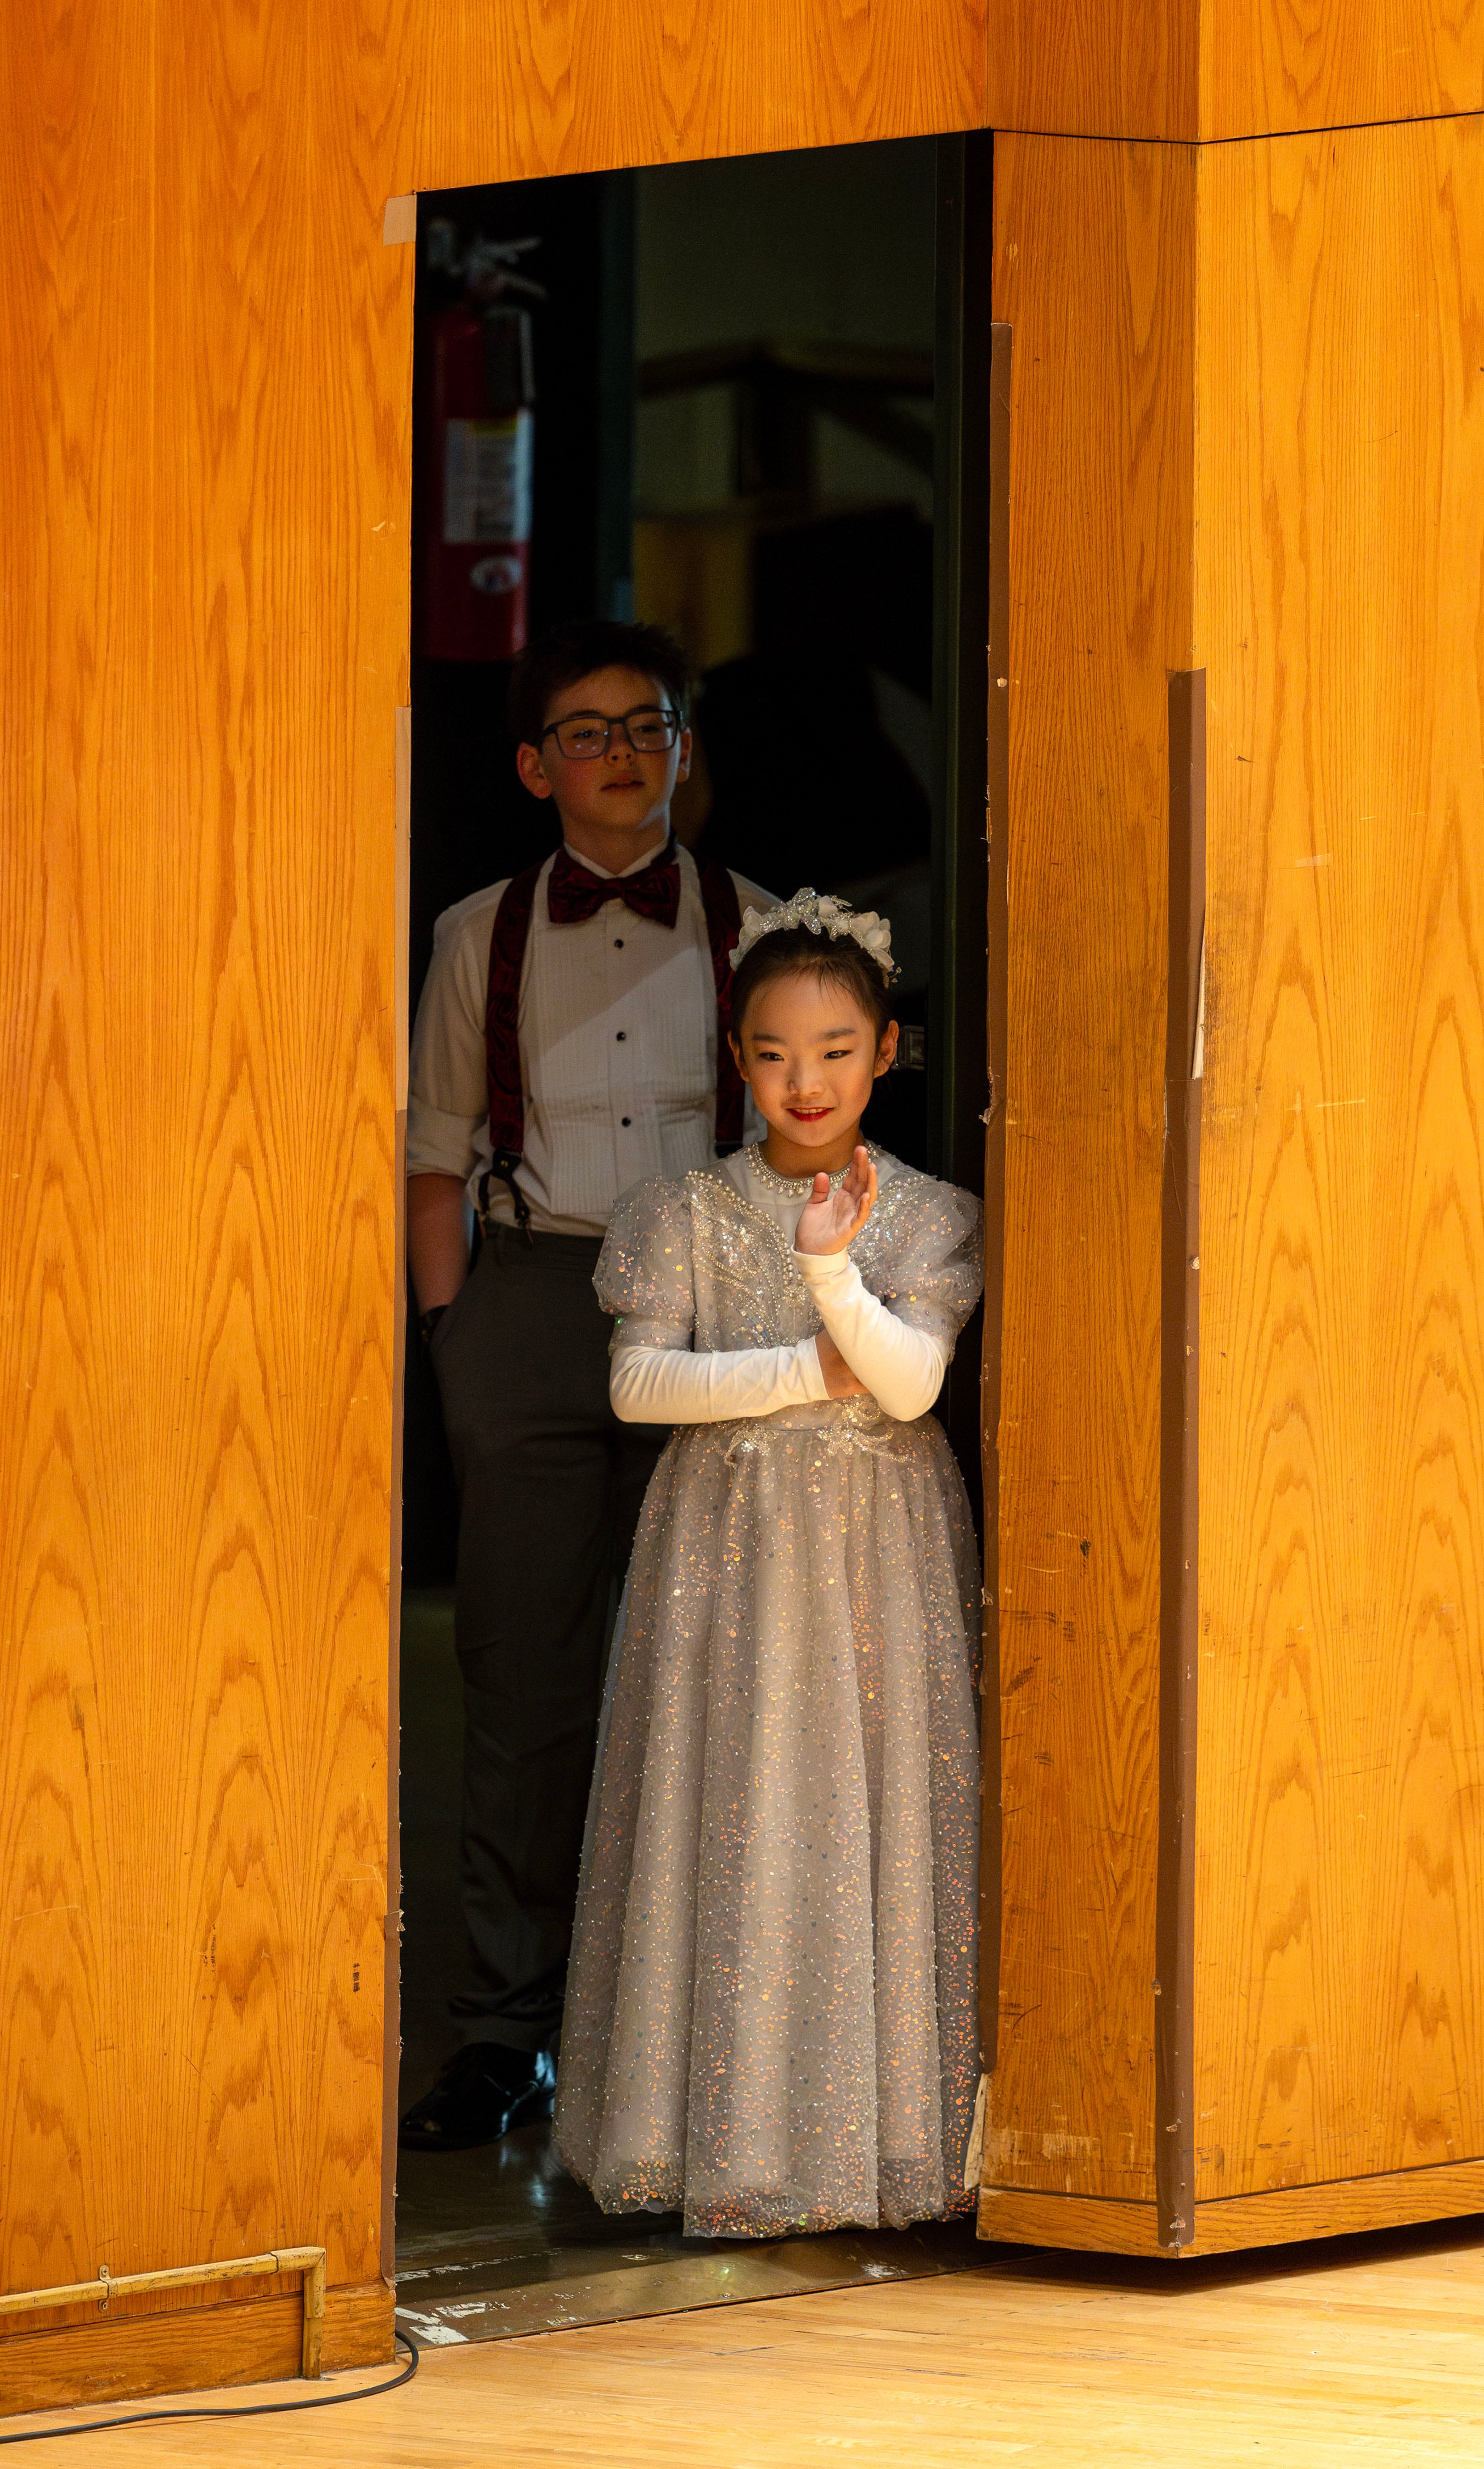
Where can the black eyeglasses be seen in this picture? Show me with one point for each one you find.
(583, 735)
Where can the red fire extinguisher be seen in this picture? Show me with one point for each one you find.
(478, 464)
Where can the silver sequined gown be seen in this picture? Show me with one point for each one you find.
(769, 2014)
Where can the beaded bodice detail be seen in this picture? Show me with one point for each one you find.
(696, 1264)
(793, 1187)
(749, 1288)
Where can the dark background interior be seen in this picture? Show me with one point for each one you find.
(755, 382)
(733, 424)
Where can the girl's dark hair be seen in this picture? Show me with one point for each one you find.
(836, 960)
(572, 652)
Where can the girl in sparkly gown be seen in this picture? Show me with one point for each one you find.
(770, 2004)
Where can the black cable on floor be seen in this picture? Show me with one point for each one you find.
(254, 2408)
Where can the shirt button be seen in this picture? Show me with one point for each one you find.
(618, 943)
(622, 1034)
(626, 1120)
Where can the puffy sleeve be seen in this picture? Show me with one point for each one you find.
(643, 1275)
(937, 1274)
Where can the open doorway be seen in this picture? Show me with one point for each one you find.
(746, 401)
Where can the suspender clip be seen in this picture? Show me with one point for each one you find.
(503, 1165)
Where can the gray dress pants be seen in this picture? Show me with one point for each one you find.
(551, 1484)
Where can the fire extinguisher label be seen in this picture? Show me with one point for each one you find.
(487, 480)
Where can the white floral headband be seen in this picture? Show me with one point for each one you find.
(824, 915)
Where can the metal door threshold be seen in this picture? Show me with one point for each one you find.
(561, 2292)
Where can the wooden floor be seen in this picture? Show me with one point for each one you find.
(1360, 2351)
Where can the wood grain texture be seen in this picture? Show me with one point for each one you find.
(1090, 2224)
(1373, 2351)
(1095, 68)
(1094, 272)
(537, 86)
(243, 2340)
(202, 645)
(205, 399)
(1095, 2224)
(1275, 65)
(1340, 618)
(1211, 69)
(1349, 2206)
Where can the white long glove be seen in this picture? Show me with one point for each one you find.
(656, 1384)
(903, 1367)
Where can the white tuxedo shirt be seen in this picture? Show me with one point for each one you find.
(617, 1035)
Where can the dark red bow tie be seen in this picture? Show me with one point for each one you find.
(572, 893)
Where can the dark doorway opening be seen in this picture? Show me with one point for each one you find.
(757, 403)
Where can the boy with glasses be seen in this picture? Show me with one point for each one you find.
(571, 1040)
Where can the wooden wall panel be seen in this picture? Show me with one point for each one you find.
(1095, 273)
(204, 394)
(1340, 619)
(1095, 68)
(76, 439)
(195, 1455)
(578, 86)
(1207, 69)
(1295, 64)
(240, 2341)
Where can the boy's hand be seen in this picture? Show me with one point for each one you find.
(829, 1220)
(840, 1381)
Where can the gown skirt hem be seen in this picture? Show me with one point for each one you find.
(771, 2019)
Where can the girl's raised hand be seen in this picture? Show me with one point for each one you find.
(829, 1220)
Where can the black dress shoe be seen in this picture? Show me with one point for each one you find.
(482, 2092)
